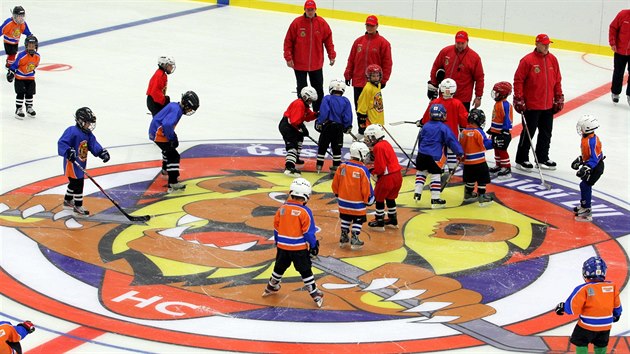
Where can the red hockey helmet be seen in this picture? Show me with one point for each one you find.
(374, 69)
(501, 90)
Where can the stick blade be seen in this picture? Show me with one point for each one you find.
(143, 218)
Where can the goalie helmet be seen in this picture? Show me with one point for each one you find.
(31, 40)
(373, 69)
(587, 124)
(18, 14)
(373, 133)
(448, 87)
(300, 188)
(190, 103)
(308, 94)
(86, 120)
(337, 85)
(163, 61)
(594, 268)
(501, 90)
(478, 117)
(437, 112)
(359, 151)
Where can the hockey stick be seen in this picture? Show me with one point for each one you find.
(316, 144)
(412, 151)
(531, 145)
(450, 175)
(400, 147)
(143, 218)
(401, 122)
(353, 136)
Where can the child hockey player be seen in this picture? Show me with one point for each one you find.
(474, 143)
(389, 177)
(10, 336)
(335, 119)
(12, 29)
(74, 145)
(23, 71)
(351, 185)
(589, 165)
(156, 92)
(501, 129)
(432, 140)
(294, 234)
(370, 103)
(293, 129)
(162, 132)
(456, 111)
(598, 305)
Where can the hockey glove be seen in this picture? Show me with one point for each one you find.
(71, 155)
(583, 172)
(348, 130)
(319, 127)
(519, 104)
(419, 123)
(167, 100)
(560, 309)
(501, 141)
(104, 155)
(28, 326)
(558, 103)
(616, 318)
(303, 130)
(314, 251)
(348, 83)
(576, 163)
(174, 143)
(10, 75)
(382, 85)
(432, 91)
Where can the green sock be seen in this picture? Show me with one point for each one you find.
(600, 350)
(581, 350)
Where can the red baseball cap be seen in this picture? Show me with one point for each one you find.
(461, 37)
(371, 20)
(543, 38)
(310, 4)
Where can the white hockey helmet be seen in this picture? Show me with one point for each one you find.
(374, 133)
(337, 85)
(308, 93)
(587, 124)
(300, 187)
(448, 87)
(359, 151)
(163, 61)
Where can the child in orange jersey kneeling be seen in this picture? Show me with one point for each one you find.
(294, 234)
(10, 336)
(353, 190)
(598, 305)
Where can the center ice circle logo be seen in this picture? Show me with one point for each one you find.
(195, 272)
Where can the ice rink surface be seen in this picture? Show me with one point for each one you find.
(101, 54)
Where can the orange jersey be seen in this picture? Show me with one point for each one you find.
(596, 303)
(25, 65)
(474, 142)
(12, 31)
(502, 117)
(7, 334)
(591, 150)
(456, 113)
(294, 227)
(352, 187)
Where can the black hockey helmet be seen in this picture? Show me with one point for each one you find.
(477, 116)
(86, 120)
(190, 102)
(17, 12)
(31, 39)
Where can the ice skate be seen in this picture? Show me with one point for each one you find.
(494, 170)
(470, 196)
(292, 172)
(378, 224)
(392, 222)
(548, 165)
(583, 214)
(615, 98)
(417, 197)
(355, 242)
(176, 187)
(318, 297)
(333, 170)
(19, 113)
(344, 239)
(68, 204)
(318, 168)
(438, 203)
(484, 199)
(271, 289)
(80, 211)
(30, 112)
(525, 166)
(505, 173)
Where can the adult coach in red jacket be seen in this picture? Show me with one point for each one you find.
(370, 48)
(537, 96)
(463, 65)
(304, 50)
(619, 39)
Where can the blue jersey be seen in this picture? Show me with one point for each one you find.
(336, 109)
(82, 142)
(434, 136)
(162, 128)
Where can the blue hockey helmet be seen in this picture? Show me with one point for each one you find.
(594, 268)
(437, 112)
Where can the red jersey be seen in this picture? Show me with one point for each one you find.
(619, 33)
(596, 303)
(385, 159)
(464, 67)
(502, 117)
(456, 114)
(537, 80)
(366, 50)
(294, 227)
(352, 187)
(474, 142)
(305, 41)
(298, 112)
(157, 86)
